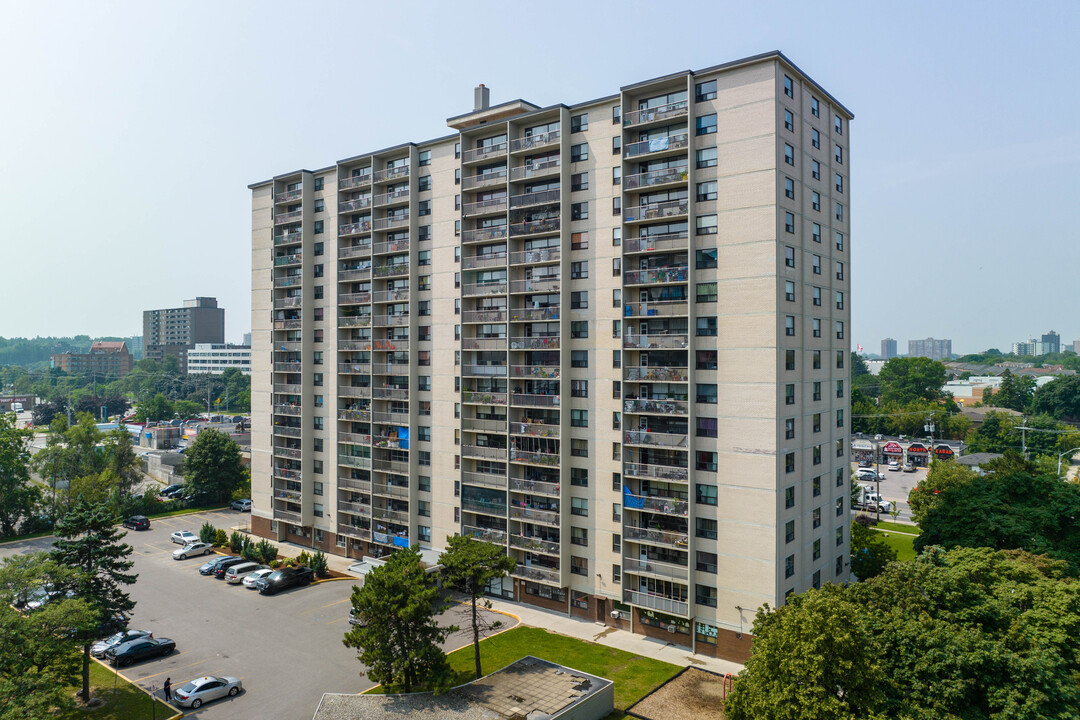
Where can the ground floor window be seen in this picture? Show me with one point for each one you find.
(543, 591)
(705, 633)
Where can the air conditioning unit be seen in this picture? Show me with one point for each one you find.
(614, 614)
(671, 628)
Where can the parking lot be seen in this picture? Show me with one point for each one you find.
(286, 648)
(896, 486)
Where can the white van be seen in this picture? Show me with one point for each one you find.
(16, 407)
(236, 573)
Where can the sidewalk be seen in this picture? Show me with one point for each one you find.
(571, 626)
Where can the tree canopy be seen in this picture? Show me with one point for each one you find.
(213, 465)
(909, 379)
(1015, 392)
(1059, 398)
(1001, 431)
(869, 552)
(19, 497)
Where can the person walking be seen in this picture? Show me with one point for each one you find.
(168, 689)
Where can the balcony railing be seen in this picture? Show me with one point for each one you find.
(484, 370)
(534, 343)
(654, 114)
(291, 453)
(350, 345)
(390, 345)
(364, 226)
(484, 479)
(656, 211)
(390, 515)
(385, 441)
(534, 142)
(490, 535)
(651, 342)
(287, 431)
(354, 438)
(472, 182)
(527, 400)
(653, 504)
(354, 461)
(656, 602)
(349, 183)
(550, 312)
(288, 195)
(393, 246)
(656, 144)
(390, 197)
(401, 295)
(535, 227)
(656, 439)
(293, 259)
(535, 170)
(656, 407)
(547, 517)
(546, 372)
(481, 289)
(353, 205)
(546, 284)
(649, 243)
(656, 276)
(289, 217)
(391, 222)
(659, 472)
(494, 205)
(484, 153)
(285, 473)
(353, 531)
(394, 418)
(290, 410)
(354, 484)
(656, 537)
(534, 429)
(398, 467)
(287, 325)
(657, 374)
(656, 569)
(390, 490)
(495, 343)
(288, 239)
(386, 393)
(287, 516)
(288, 302)
(534, 572)
(289, 281)
(534, 544)
(288, 367)
(481, 506)
(534, 486)
(289, 495)
(473, 262)
(392, 270)
(488, 453)
(390, 174)
(352, 251)
(354, 368)
(534, 458)
(354, 392)
(290, 388)
(354, 321)
(355, 415)
(354, 508)
(544, 197)
(535, 257)
(483, 425)
(665, 176)
(483, 316)
(666, 308)
(354, 275)
(482, 234)
(361, 298)
(399, 320)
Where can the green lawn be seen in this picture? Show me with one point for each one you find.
(898, 527)
(635, 676)
(902, 544)
(127, 702)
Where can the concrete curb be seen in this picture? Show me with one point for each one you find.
(179, 714)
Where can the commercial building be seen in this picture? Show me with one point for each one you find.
(105, 358)
(174, 331)
(214, 359)
(610, 337)
(930, 348)
(888, 349)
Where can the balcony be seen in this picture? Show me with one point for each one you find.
(546, 284)
(391, 222)
(482, 289)
(486, 152)
(474, 262)
(654, 504)
(390, 174)
(666, 308)
(354, 205)
(534, 487)
(354, 508)
(537, 573)
(288, 281)
(495, 343)
(288, 367)
(652, 342)
(655, 439)
(483, 506)
(545, 197)
(354, 321)
(525, 400)
(354, 275)
(536, 170)
(401, 295)
(354, 531)
(654, 568)
(656, 407)
(290, 410)
(285, 473)
(287, 495)
(491, 179)
(354, 368)
(393, 418)
(394, 516)
(656, 114)
(354, 438)
(390, 345)
(657, 145)
(656, 537)
(364, 226)
(544, 517)
(398, 467)
(534, 458)
(399, 320)
(669, 473)
(490, 535)
(356, 181)
(544, 372)
(287, 516)
(287, 431)
(655, 178)
(287, 302)
(650, 243)
(534, 544)
(291, 453)
(355, 415)
(392, 270)
(533, 429)
(483, 370)
(353, 392)
(289, 388)
(289, 217)
(483, 234)
(535, 142)
(396, 196)
(355, 251)
(287, 325)
(285, 260)
(354, 484)
(657, 276)
(534, 343)
(350, 345)
(354, 461)
(551, 312)
(389, 393)
(656, 211)
(535, 227)
(657, 374)
(393, 246)
(484, 207)
(484, 479)
(291, 238)
(387, 442)
(656, 602)
(288, 195)
(390, 368)
(535, 257)
(486, 453)
(361, 298)
(483, 425)
(390, 490)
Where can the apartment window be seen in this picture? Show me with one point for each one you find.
(839, 299)
(424, 308)
(838, 155)
(616, 145)
(789, 394)
(789, 291)
(579, 211)
(579, 300)
(457, 306)
(423, 433)
(815, 359)
(616, 297)
(705, 595)
(839, 512)
(707, 258)
(706, 393)
(578, 123)
(815, 200)
(319, 248)
(815, 138)
(815, 232)
(579, 181)
(839, 179)
(839, 477)
(318, 184)
(457, 332)
(579, 388)
(579, 536)
(839, 565)
(706, 359)
(318, 227)
(579, 241)
(425, 157)
(789, 566)
(457, 228)
(789, 222)
(706, 292)
(789, 497)
(706, 427)
(579, 270)
(616, 176)
(789, 462)
(616, 358)
(789, 188)
(789, 154)
(816, 324)
(317, 423)
(789, 531)
(838, 125)
(423, 183)
(423, 258)
(706, 158)
(816, 264)
(789, 325)
(423, 207)
(839, 388)
(840, 420)
(317, 357)
(579, 358)
(457, 150)
(839, 329)
(839, 212)
(839, 359)
(579, 448)
(839, 237)
(579, 565)
(457, 202)
(706, 225)
(579, 152)
(789, 256)
(616, 389)
(816, 517)
(616, 114)
(789, 429)
(706, 461)
(424, 382)
(789, 121)
(579, 329)
(424, 458)
(616, 543)
(815, 169)
(817, 391)
(320, 206)
(616, 267)
(705, 91)
(816, 486)
(457, 176)
(706, 191)
(319, 336)
(789, 87)
(579, 477)
(579, 418)
(816, 454)
(789, 359)
(705, 528)
(706, 124)
(815, 107)
(706, 327)
(815, 295)
(318, 313)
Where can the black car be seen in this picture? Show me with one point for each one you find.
(168, 490)
(140, 649)
(225, 564)
(285, 578)
(209, 567)
(137, 522)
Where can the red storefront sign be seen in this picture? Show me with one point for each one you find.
(943, 451)
(893, 448)
(916, 448)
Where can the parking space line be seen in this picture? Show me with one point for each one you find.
(331, 622)
(171, 670)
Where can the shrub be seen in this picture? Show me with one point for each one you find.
(236, 543)
(290, 562)
(208, 533)
(266, 551)
(319, 565)
(221, 538)
(275, 564)
(304, 558)
(249, 551)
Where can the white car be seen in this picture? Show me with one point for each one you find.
(894, 465)
(866, 474)
(249, 580)
(184, 537)
(204, 689)
(193, 549)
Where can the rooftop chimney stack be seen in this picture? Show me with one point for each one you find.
(481, 98)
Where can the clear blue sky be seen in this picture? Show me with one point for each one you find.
(130, 130)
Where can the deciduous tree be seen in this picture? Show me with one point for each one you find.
(869, 552)
(904, 380)
(213, 465)
(19, 497)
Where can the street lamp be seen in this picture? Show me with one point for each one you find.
(1061, 455)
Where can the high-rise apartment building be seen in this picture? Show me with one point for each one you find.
(609, 337)
(930, 348)
(174, 331)
(1048, 343)
(888, 349)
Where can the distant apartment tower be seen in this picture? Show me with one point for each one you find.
(1051, 343)
(173, 331)
(611, 338)
(214, 359)
(1047, 344)
(888, 349)
(930, 348)
(106, 359)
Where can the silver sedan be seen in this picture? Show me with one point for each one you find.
(204, 689)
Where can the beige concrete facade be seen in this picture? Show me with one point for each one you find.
(570, 331)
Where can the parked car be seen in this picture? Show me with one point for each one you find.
(209, 567)
(129, 652)
(865, 463)
(193, 549)
(137, 522)
(356, 618)
(98, 649)
(894, 465)
(174, 493)
(866, 473)
(908, 467)
(241, 505)
(251, 580)
(39, 597)
(169, 488)
(202, 690)
(221, 567)
(238, 572)
(184, 537)
(285, 578)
